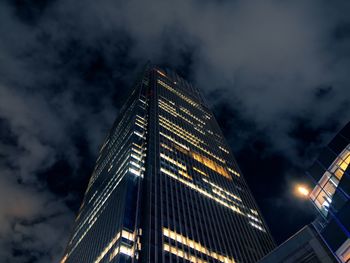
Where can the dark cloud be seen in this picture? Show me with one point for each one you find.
(275, 73)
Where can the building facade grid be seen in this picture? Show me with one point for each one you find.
(166, 187)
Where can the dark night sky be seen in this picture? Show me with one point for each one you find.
(275, 73)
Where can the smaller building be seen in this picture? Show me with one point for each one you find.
(330, 196)
(304, 246)
(327, 239)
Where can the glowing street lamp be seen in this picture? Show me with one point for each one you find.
(302, 190)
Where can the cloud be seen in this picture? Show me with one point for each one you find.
(278, 67)
(269, 58)
(34, 225)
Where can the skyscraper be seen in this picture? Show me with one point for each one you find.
(166, 187)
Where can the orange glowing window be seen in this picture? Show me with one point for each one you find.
(161, 73)
(207, 162)
(184, 174)
(211, 164)
(323, 192)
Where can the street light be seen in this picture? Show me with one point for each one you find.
(302, 190)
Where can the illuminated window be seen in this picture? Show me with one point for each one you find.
(173, 140)
(167, 107)
(107, 248)
(166, 147)
(211, 164)
(140, 121)
(199, 130)
(123, 249)
(257, 226)
(135, 172)
(202, 191)
(233, 171)
(191, 142)
(188, 100)
(172, 161)
(64, 259)
(199, 171)
(192, 244)
(207, 162)
(254, 211)
(138, 146)
(254, 218)
(222, 190)
(137, 157)
(180, 253)
(183, 109)
(184, 174)
(161, 73)
(343, 252)
(179, 131)
(224, 150)
(323, 192)
(141, 135)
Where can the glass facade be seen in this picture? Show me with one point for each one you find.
(166, 187)
(327, 238)
(330, 195)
